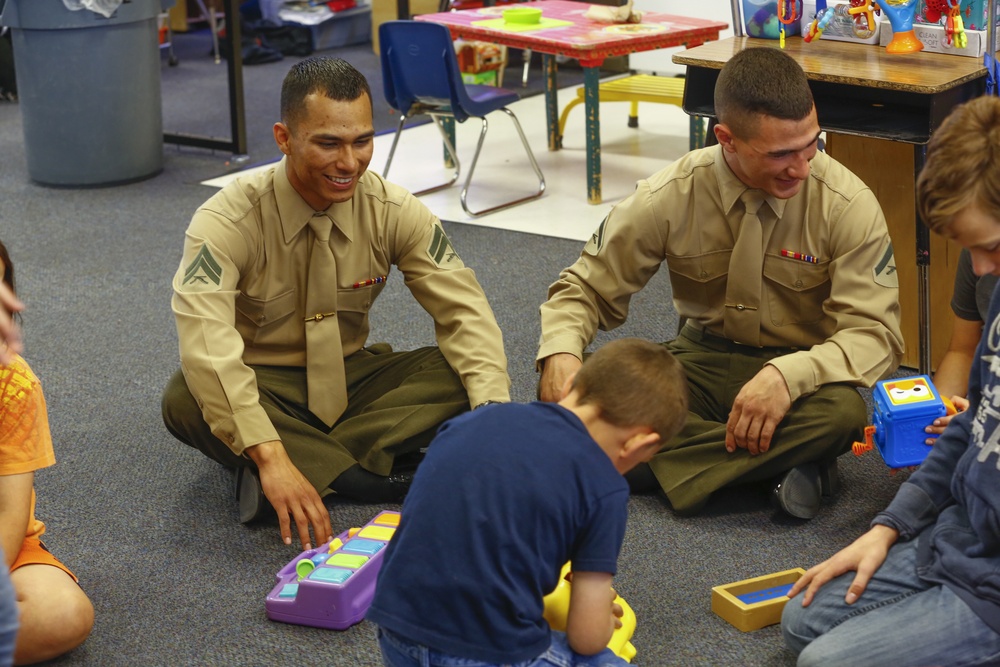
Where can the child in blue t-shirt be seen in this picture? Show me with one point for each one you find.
(509, 493)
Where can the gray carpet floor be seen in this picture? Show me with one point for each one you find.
(150, 525)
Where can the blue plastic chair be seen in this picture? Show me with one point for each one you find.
(421, 76)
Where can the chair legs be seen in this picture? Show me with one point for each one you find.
(475, 158)
(453, 155)
(449, 148)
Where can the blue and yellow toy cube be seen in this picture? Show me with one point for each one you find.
(904, 407)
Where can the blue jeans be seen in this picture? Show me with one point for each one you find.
(400, 652)
(8, 617)
(899, 620)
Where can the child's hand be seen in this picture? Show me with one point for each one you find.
(937, 427)
(616, 613)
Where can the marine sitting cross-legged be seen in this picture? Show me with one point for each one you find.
(782, 271)
(272, 299)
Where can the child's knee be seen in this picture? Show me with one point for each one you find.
(70, 615)
(791, 625)
(53, 607)
(79, 618)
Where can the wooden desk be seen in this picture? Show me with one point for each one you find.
(584, 40)
(865, 95)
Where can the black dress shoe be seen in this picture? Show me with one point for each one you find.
(250, 495)
(399, 483)
(799, 491)
(829, 478)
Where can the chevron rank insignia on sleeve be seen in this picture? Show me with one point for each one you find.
(442, 252)
(885, 271)
(203, 274)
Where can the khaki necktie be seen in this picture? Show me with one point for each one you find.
(324, 350)
(741, 321)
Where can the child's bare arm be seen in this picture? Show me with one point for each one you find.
(15, 506)
(591, 620)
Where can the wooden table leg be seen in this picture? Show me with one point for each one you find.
(591, 102)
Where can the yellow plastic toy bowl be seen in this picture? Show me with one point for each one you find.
(522, 15)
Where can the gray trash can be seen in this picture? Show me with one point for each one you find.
(89, 91)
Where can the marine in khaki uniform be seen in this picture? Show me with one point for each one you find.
(272, 298)
(782, 270)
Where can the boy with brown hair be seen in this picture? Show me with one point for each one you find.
(508, 494)
(921, 586)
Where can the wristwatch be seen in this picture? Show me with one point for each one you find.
(486, 403)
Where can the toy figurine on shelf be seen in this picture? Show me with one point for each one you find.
(900, 14)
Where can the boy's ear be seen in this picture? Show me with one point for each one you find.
(640, 445)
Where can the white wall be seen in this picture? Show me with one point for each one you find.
(658, 62)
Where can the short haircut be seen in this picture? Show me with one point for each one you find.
(335, 78)
(635, 383)
(758, 82)
(962, 168)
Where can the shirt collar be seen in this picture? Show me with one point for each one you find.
(731, 187)
(294, 212)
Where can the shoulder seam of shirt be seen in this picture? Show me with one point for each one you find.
(684, 168)
(384, 196)
(839, 189)
(245, 187)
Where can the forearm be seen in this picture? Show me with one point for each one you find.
(466, 331)
(223, 385)
(11, 539)
(15, 512)
(952, 375)
(805, 371)
(590, 622)
(920, 499)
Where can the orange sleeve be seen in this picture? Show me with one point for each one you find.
(25, 439)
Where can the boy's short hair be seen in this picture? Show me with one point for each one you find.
(333, 77)
(635, 383)
(761, 82)
(963, 164)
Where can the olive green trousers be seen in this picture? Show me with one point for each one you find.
(695, 463)
(396, 402)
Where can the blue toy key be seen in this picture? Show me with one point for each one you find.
(765, 594)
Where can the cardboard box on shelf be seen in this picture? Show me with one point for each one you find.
(840, 28)
(973, 14)
(934, 40)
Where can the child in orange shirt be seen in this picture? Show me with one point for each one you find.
(55, 614)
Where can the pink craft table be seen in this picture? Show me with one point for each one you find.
(582, 39)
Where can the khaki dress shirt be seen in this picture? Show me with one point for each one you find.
(240, 292)
(841, 311)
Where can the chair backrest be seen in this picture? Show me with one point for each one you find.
(419, 66)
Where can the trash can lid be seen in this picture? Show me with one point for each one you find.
(53, 14)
